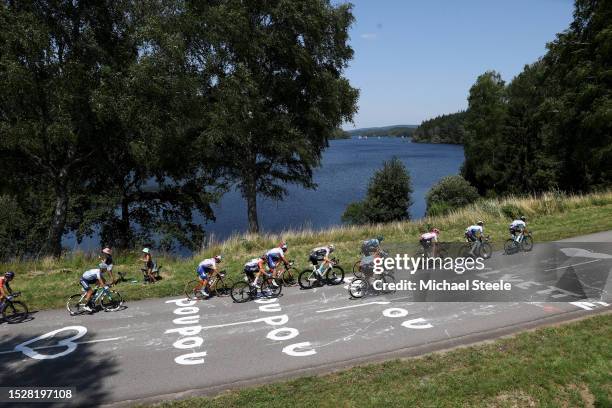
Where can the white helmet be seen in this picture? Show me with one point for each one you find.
(146, 250)
(103, 266)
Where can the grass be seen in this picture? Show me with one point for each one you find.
(47, 283)
(564, 366)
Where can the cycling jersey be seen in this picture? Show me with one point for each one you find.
(518, 225)
(207, 265)
(429, 236)
(474, 230)
(253, 265)
(92, 275)
(274, 255)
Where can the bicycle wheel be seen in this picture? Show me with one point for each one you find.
(510, 247)
(241, 292)
(307, 279)
(221, 287)
(527, 243)
(269, 289)
(192, 291)
(357, 270)
(334, 275)
(465, 251)
(111, 301)
(485, 250)
(358, 288)
(289, 277)
(15, 312)
(386, 280)
(74, 305)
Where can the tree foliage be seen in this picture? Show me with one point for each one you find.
(388, 197)
(450, 193)
(441, 129)
(551, 126)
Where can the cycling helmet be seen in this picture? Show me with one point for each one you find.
(9, 275)
(146, 250)
(107, 251)
(480, 223)
(103, 266)
(380, 238)
(435, 230)
(523, 218)
(283, 246)
(218, 258)
(331, 247)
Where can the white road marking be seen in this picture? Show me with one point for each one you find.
(569, 266)
(352, 306)
(61, 345)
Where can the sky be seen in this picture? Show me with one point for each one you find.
(417, 59)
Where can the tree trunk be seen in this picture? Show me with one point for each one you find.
(58, 219)
(250, 193)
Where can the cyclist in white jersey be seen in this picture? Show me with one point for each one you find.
(90, 277)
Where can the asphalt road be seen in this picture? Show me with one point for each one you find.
(170, 348)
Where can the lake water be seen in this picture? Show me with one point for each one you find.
(347, 166)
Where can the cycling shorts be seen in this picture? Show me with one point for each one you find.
(86, 283)
(272, 261)
(471, 237)
(203, 272)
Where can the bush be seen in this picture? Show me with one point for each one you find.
(388, 197)
(449, 193)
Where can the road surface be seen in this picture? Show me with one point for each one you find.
(171, 348)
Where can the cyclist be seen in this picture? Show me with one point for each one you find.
(149, 265)
(371, 246)
(518, 226)
(474, 234)
(430, 240)
(90, 277)
(255, 268)
(321, 254)
(206, 270)
(107, 258)
(274, 256)
(5, 288)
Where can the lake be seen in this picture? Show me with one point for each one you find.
(347, 166)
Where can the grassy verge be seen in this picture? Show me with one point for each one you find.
(565, 366)
(47, 283)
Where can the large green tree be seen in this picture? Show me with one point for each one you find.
(279, 92)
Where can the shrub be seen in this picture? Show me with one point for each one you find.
(388, 197)
(449, 193)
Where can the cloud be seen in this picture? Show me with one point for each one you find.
(369, 36)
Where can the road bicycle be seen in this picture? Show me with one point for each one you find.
(219, 285)
(523, 243)
(14, 311)
(102, 298)
(357, 265)
(287, 275)
(242, 291)
(361, 287)
(485, 249)
(333, 274)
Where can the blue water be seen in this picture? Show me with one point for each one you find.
(347, 166)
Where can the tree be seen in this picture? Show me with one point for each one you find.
(388, 197)
(449, 193)
(441, 129)
(279, 91)
(50, 58)
(485, 119)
